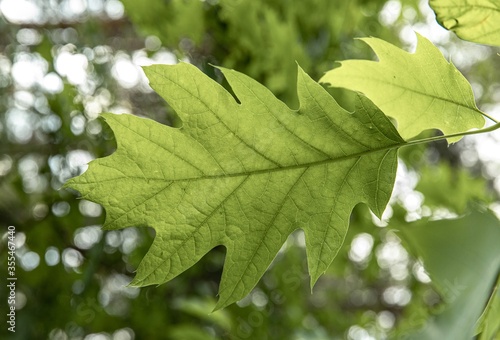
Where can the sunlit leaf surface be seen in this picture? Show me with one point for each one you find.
(242, 175)
(421, 90)
(474, 20)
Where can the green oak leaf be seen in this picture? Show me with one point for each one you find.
(242, 175)
(474, 20)
(421, 90)
(463, 260)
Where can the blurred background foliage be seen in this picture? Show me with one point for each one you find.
(62, 62)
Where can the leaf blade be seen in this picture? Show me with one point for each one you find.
(242, 175)
(420, 90)
(472, 20)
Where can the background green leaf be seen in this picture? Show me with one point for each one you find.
(463, 261)
(171, 20)
(451, 188)
(474, 20)
(420, 90)
(217, 32)
(241, 175)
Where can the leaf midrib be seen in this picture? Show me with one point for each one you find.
(416, 92)
(277, 169)
(261, 171)
(433, 96)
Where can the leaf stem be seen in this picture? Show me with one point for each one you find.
(460, 134)
(490, 117)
